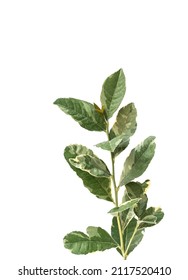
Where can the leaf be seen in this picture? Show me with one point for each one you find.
(99, 186)
(122, 130)
(121, 147)
(149, 220)
(115, 234)
(138, 161)
(126, 216)
(113, 91)
(154, 213)
(141, 206)
(110, 145)
(145, 186)
(137, 190)
(83, 112)
(115, 231)
(125, 122)
(126, 205)
(91, 164)
(96, 240)
(133, 236)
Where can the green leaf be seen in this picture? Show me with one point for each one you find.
(152, 213)
(133, 236)
(137, 190)
(124, 127)
(96, 240)
(99, 186)
(83, 112)
(149, 220)
(126, 216)
(121, 147)
(91, 164)
(125, 122)
(138, 161)
(113, 91)
(126, 205)
(110, 145)
(122, 130)
(115, 231)
(141, 206)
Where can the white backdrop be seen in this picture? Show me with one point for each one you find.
(52, 49)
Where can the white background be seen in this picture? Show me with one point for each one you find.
(52, 49)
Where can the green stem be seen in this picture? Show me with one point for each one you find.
(130, 241)
(116, 189)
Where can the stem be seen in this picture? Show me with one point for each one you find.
(130, 241)
(116, 189)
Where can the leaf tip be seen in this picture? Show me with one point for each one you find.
(121, 70)
(152, 138)
(55, 102)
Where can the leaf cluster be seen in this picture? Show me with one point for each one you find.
(131, 217)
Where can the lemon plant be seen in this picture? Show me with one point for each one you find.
(130, 215)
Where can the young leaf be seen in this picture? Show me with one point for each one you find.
(96, 240)
(91, 164)
(133, 236)
(138, 161)
(99, 186)
(126, 205)
(113, 91)
(98, 109)
(83, 112)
